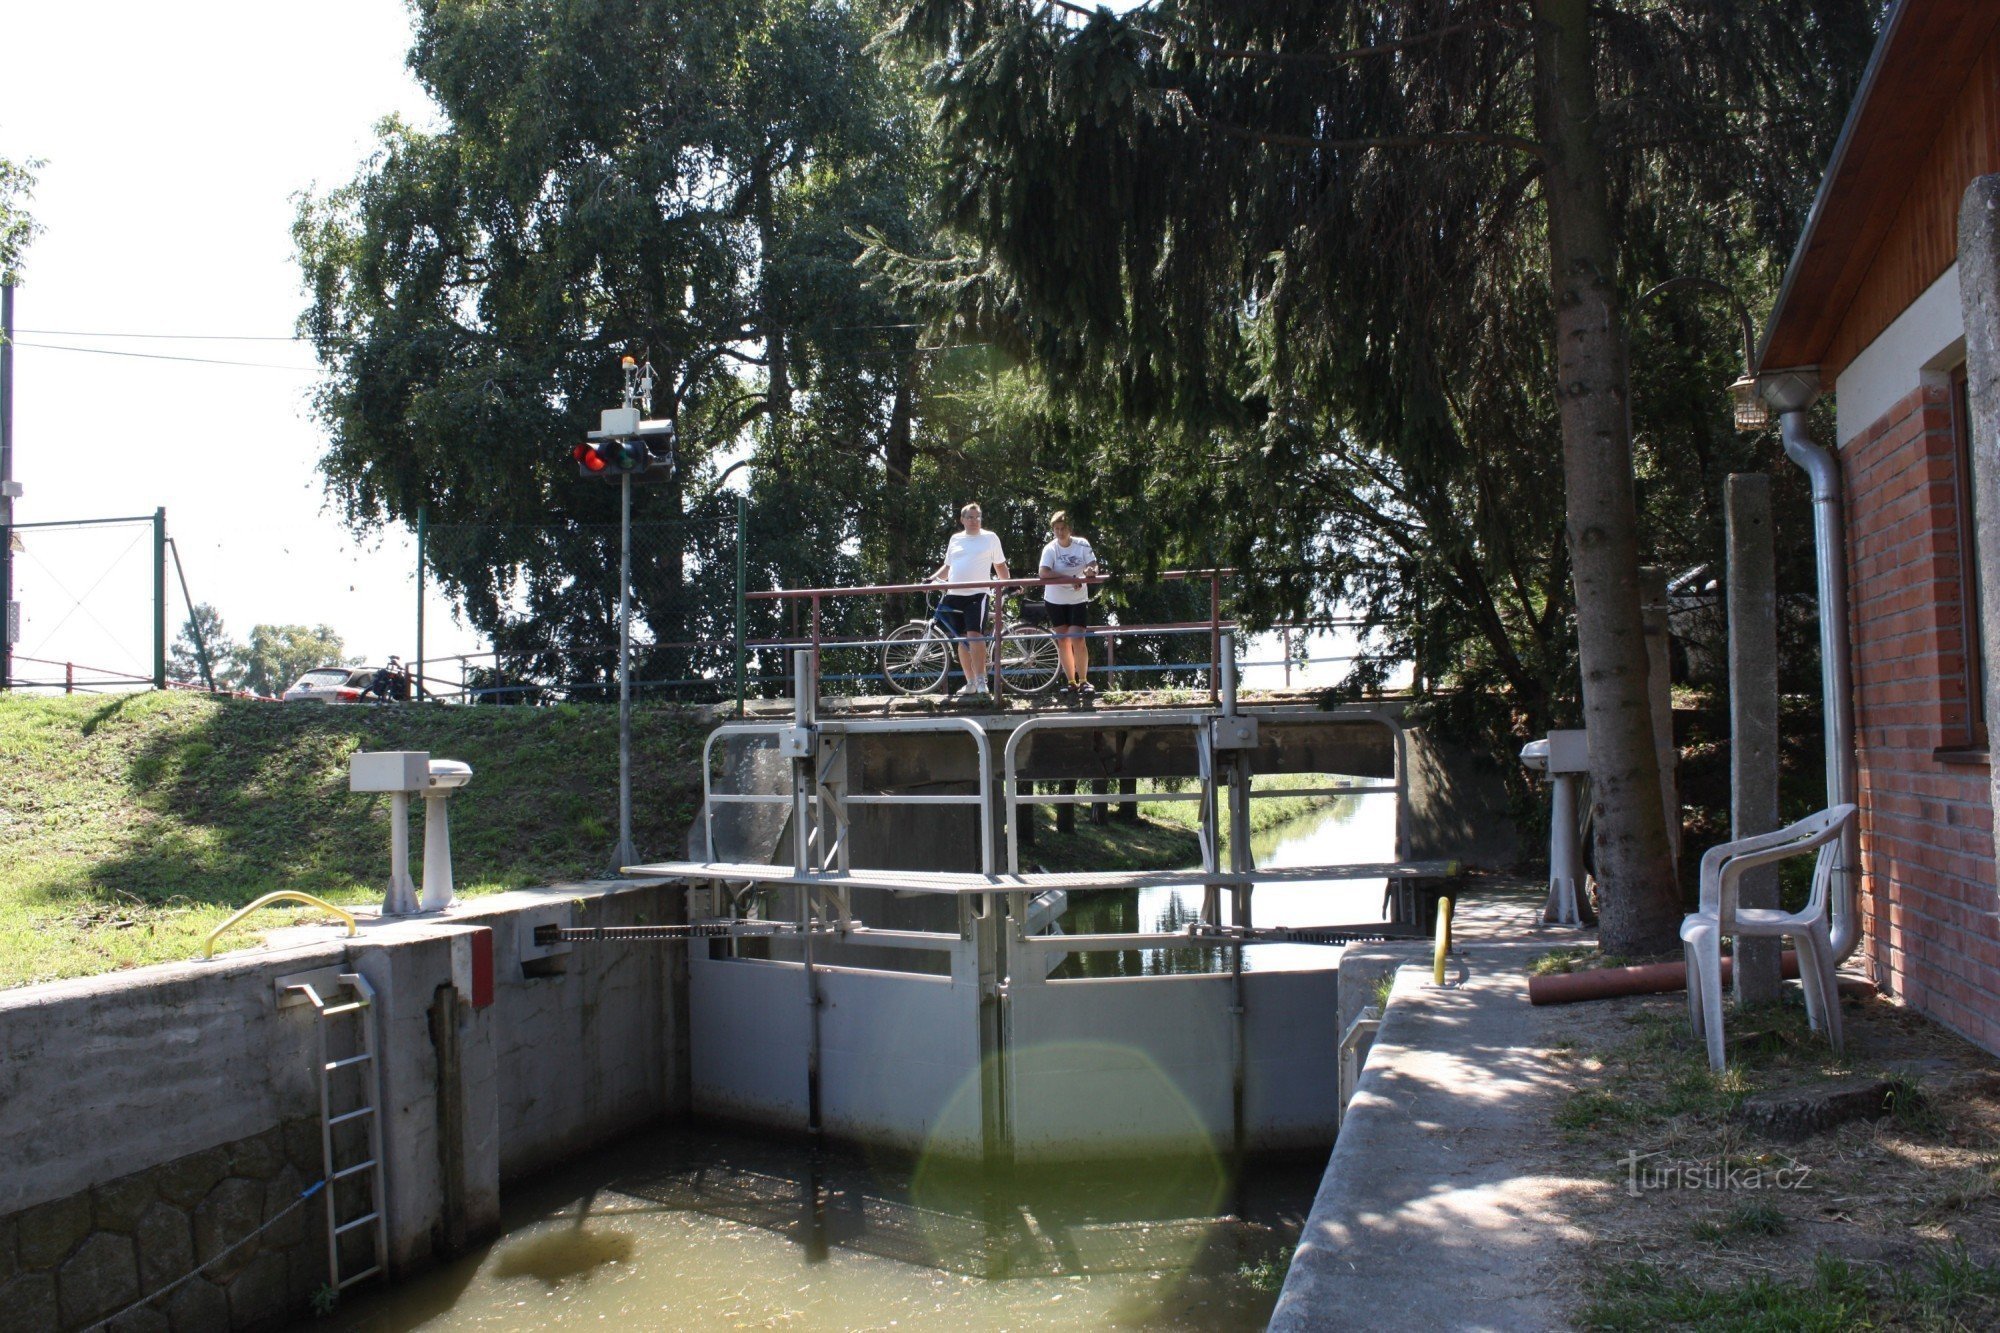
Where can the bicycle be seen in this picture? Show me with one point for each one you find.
(918, 656)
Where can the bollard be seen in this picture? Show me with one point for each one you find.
(1443, 941)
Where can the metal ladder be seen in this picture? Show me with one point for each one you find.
(363, 1107)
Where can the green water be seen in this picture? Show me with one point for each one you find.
(700, 1228)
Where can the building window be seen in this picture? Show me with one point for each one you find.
(1972, 734)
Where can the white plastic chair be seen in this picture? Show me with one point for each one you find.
(1722, 870)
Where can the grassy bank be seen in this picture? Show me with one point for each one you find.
(1164, 836)
(131, 825)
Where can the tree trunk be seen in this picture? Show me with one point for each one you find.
(1641, 902)
(777, 362)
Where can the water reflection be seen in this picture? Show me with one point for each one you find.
(702, 1228)
(1346, 831)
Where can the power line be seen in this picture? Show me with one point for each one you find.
(176, 337)
(161, 356)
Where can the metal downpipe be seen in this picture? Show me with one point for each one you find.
(1836, 668)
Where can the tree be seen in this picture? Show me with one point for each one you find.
(277, 655)
(672, 180)
(1281, 217)
(203, 652)
(17, 227)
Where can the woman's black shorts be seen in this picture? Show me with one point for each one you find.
(1064, 614)
(962, 613)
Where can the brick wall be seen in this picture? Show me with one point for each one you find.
(1928, 890)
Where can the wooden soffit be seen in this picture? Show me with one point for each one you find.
(1927, 51)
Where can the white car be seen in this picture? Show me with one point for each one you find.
(331, 685)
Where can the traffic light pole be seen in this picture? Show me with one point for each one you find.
(627, 855)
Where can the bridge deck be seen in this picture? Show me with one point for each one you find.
(958, 882)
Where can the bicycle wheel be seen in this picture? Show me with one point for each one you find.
(915, 657)
(1028, 660)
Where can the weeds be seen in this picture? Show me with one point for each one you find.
(1746, 1219)
(1949, 1290)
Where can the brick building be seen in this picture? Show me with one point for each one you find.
(1876, 299)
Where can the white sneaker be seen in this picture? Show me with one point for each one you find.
(973, 691)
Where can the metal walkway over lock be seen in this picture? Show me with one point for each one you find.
(816, 1003)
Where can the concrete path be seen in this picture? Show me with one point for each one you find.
(1431, 1215)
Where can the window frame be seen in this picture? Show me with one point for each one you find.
(1972, 734)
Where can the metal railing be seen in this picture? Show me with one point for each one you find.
(814, 637)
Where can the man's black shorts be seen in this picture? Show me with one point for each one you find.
(962, 613)
(1063, 614)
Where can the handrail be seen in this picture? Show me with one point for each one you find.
(282, 895)
(813, 596)
(862, 726)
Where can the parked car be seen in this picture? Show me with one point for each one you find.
(331, 685)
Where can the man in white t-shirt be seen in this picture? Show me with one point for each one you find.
(973, 557)
(1066, 563)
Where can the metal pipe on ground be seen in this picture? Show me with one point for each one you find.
(1608, 983)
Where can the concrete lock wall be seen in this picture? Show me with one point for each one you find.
(153, 1119)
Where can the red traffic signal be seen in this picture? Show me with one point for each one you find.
(590, 459)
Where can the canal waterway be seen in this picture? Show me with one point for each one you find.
(1346, 830)
(705, 1228)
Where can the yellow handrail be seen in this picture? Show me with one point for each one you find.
(1443, 941)
(282, 895)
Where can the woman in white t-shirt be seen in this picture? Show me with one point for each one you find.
(972, 559)
(1066, 562)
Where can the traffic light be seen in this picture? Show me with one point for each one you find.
(626, 446)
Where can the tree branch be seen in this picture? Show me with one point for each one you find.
(1302, 57)
(1439, 139)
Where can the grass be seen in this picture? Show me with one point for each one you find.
(1164, 836)
(1653, 1077)
(1757, 1218)
(1573, 958)
(1266, 812)
(131, 825)
(1947, 1290)
(1887, 1221)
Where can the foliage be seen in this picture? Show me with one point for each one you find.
(1344, 355)
(1333, 245)
(134, 824)
(670, 180)
(17, 228)
(202, 635)
(277, 655)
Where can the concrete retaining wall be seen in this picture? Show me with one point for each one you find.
(149, 1120)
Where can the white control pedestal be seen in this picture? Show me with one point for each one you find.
(1564, 756)
(401, 773)
(446, 777)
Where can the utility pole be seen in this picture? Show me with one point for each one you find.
(10, 614)
(627, 855)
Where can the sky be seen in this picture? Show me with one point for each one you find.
(175, 138)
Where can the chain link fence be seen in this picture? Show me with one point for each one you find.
(90, 604)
